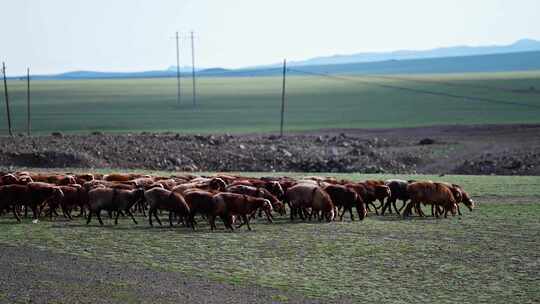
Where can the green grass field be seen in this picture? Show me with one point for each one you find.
(489, 255)
(253, 104)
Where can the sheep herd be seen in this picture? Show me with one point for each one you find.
(234, 199)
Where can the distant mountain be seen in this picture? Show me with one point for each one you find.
(524, 61)
(524, 55)
(524, 45)
(170, 72)
(183, 69)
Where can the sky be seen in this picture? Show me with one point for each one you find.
(52, 36)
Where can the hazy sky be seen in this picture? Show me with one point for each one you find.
(132, 35)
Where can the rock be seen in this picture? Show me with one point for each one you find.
(286, 153)
(426, 141)
(57, 134)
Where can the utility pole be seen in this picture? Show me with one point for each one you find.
(283, 97)
(193, 69)
(28, 102)
(7, 99)
(178, 68)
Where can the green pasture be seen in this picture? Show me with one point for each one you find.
(490, 255)
(252, 104)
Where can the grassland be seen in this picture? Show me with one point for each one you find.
(252, 104)
(489, 255)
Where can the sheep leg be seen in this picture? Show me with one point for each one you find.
(82, 212)
(253, 214)
(301, 214)
(141, 208)
(246, 221)
(375, 207)
(383, 211)
(64, 211)
(403, 206)
(157, 217)
(389, 204)
(342, 213)
(150, 218)
(418, 209)
(437, 211)
(192, 221)
(386, 207)
(98, 214)
(408, 209)
(212, 222)
(351, 213)
(269, 216)
(395, 207)
(170, 218)
(293, 212)
(16, 214)
(35, 212)
(89, 216)
(116, 218)
(68, 212)
(458, 211)
(132, 217)
(227, 220)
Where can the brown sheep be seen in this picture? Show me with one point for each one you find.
(227, 205)
(259, 192)
(74, 196)
(112, 200)
(346, 198)
(398, 190)
(432, 194)
(305, 196)
(39, 193)
(162, 199)
(214, 184)
(12, 197)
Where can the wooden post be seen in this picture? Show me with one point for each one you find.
(283, 97)
(28, 102)
(7, 99)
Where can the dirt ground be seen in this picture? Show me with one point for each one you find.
(481, 149)
(31, 275)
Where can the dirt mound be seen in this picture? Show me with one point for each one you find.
(52, 159)
(478, 150)
(517, 163)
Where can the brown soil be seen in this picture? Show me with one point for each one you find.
(482, 149)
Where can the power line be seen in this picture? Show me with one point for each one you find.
(418, 91)
(450, 84)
